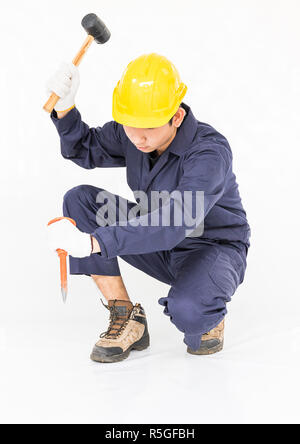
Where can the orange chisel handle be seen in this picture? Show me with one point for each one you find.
(62, 254)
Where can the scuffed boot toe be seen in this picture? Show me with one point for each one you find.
(108, 354)
(208, 347)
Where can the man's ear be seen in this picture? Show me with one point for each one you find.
(179, 116)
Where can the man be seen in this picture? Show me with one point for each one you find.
(164, 148)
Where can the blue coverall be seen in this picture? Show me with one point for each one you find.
(204, 271)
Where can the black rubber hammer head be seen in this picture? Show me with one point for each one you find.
(96, 28)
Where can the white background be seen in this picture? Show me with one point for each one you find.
(240, 60)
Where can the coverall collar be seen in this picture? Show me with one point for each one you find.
(181, 143)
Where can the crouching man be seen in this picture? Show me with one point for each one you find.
(165, 149)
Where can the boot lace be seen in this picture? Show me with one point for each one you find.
(114, 319)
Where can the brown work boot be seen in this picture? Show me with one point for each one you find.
(212, 342)
(127, 331)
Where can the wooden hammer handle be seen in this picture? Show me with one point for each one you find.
(53, 99)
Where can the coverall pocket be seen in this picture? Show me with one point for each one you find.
(225, 274)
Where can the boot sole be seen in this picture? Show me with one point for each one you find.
(140, 345)
(203, 351)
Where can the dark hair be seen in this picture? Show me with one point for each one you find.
(171, 121)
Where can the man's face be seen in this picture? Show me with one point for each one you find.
(150, 139)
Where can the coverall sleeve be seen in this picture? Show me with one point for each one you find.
(89, 147)
(203, 171)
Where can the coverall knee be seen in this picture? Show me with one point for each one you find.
(205, 280)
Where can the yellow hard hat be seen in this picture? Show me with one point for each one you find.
(149, 92)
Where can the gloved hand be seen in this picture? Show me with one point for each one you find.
(65, 236)
(64, 83)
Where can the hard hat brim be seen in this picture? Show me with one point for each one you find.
(154, 121)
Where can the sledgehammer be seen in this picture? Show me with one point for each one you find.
(97, 31)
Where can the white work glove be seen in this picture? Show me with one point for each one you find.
(65, 236)
(64, 83)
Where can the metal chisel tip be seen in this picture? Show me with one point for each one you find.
(64, 295)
